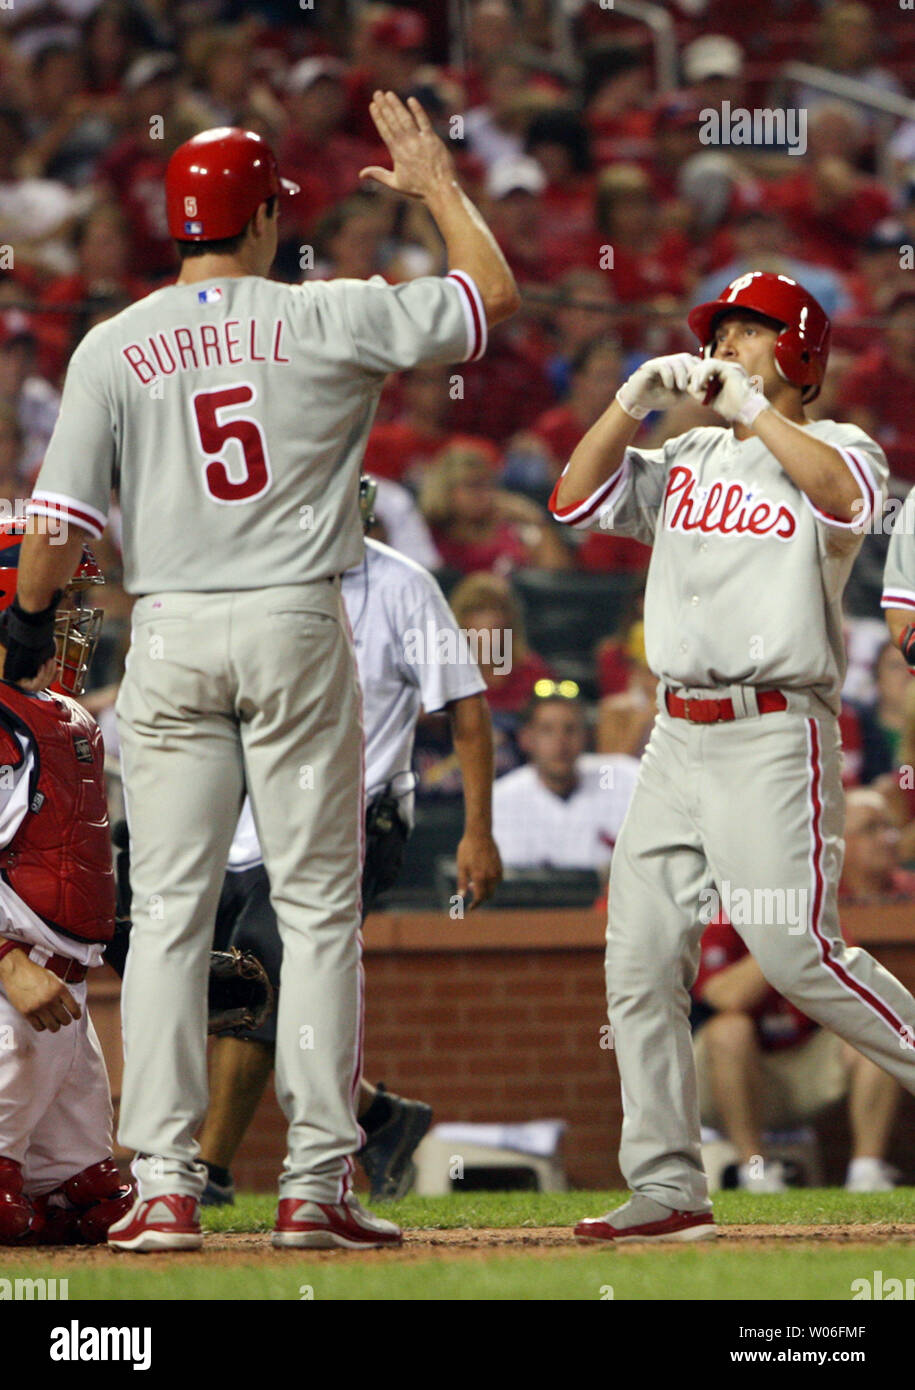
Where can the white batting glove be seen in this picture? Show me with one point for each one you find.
(726, 387)
(656, 384)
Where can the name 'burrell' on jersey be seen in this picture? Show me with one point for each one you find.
(746, 575)
(190, 346)
(238, 408)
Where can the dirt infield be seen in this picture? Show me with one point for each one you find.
(237, 1248)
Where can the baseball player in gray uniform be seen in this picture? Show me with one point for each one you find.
(754, 529)
(401, 626)
(230, 414)
(898, 598)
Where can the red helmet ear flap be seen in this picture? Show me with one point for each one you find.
(802, 347)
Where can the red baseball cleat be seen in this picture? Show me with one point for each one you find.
(324, 1226)
(171, 1222)
(679, 1225)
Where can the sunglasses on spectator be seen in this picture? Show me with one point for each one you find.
(567, 690)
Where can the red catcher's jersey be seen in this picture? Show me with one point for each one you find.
(59, 861)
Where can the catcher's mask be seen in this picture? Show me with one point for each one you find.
(77, 625)
(367, 490)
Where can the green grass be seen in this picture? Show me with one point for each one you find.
(705, 1271)
(500, 1210)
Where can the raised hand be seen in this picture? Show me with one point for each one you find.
(421, 159)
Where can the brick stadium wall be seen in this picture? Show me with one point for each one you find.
(498, 1018)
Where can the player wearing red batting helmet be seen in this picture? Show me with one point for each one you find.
(754, 525)
(802, 346)
(215, 183)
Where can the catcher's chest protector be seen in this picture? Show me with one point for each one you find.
(59, 861)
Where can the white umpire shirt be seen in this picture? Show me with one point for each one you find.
(535, 829)
(410, 654)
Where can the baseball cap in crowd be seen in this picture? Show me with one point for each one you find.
(714, 55)
(149, 67)
(515, 174)
(306, 73)
(16, 327)
(403, 30)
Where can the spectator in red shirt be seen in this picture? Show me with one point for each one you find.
(388, 49)
(523, 225)
(490, 33)
(830, 207)
(103, 248)
(478, 526)
(877, 392)
(597, 371)
(581, 315)
(558, 140)
(647, 261)
(113, 35)
(133, 170)
(875, 285)
(617, 99)
(762, 1065)
(403, 449)
(509, 387)
(315, 151)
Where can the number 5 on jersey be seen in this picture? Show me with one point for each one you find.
(214, 433)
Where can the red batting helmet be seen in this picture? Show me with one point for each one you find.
(215, 182)
(77, 625)
(801, 349)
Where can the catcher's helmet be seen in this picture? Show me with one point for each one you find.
(215, 182)
(77, 626)
(801, 349)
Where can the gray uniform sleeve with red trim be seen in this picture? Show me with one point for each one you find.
(74, 483)
(436, 319)
(899, 574)
(628, 503)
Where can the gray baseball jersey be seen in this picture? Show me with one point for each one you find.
(899, 574)
(746, 575)
(240, 408)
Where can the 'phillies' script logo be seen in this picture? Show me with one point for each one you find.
(732, 509)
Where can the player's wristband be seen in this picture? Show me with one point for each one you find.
(907, 646)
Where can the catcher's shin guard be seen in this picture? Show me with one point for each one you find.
(17, 1214)
(80, 1211)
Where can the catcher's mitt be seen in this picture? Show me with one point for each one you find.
(240, 995)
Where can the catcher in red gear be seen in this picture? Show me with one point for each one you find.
(58, 1180)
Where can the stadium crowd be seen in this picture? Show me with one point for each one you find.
(614, 211)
